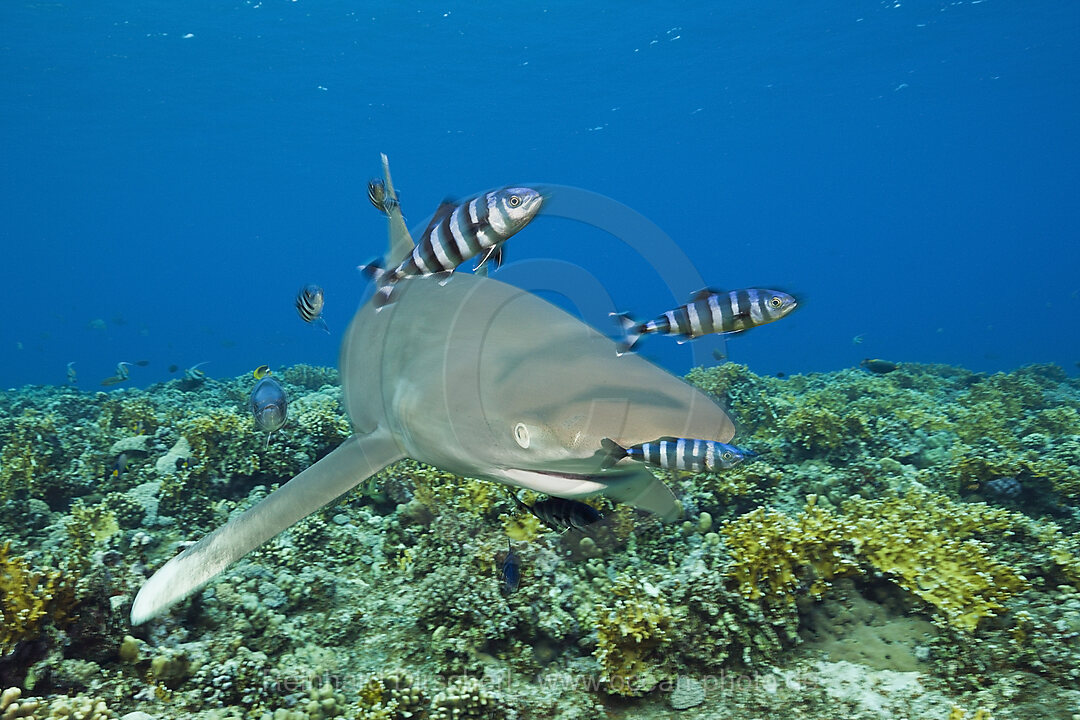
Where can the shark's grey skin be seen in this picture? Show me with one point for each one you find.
(481, 379)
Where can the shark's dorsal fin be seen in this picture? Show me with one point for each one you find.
(401, 242)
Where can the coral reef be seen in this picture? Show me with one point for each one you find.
(931, 491)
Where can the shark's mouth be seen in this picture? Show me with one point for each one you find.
(550, 482)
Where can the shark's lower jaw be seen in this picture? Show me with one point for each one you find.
(566, 485)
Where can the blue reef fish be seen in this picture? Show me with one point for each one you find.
(679, 454)
(409, 387)
(457, 232)
(510, 569)
(710, 311)
(269, 406)
(561, 514)
(119, 466)
(309, 305)
(1004, 487)
(383, 201)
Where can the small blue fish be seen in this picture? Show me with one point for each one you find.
(679, 454)
(269, 405)
(510, 569)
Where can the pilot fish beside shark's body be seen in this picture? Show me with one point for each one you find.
(481, 379)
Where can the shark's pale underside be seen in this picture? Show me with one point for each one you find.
(481, 379)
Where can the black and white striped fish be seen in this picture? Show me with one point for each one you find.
(376, 192)
(458, 232)
(679, 454)
(561, 514)
(710, 311)
(309, 305)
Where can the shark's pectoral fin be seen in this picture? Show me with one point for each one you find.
(643, 490)
(351, 463)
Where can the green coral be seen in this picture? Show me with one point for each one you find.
(632, 635)
(29, 600)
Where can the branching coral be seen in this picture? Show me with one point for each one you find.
(776, 557)
(631, 637)
(922, 541)
(29, 600)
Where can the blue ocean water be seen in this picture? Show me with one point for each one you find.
(172, 173)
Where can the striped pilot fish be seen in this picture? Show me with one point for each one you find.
(561, 514)
(710, 311)
(309, 305)
(458, 232)
(679, 454)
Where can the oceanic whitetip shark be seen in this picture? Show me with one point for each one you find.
(481, 379)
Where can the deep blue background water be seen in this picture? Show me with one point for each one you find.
(178, 170)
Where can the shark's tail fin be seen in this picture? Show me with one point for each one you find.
(631, 330)
(615, 452)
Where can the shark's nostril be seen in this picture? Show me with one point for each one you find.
(521, 434)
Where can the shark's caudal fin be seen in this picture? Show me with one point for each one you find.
(351, 463)
(631, 330)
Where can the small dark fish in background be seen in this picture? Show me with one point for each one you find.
(309, 305)
(678, 454)
(376, 193)
(878, 367)
(561, 514)
(142, 363)
(710, 311)
(173, 368)
(510, 569)
(458, 232)
(269, 406)
(781, 374)
(72, 376)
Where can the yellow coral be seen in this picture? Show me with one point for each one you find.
(631, 636)
(922, 541)
(776, 556)
(28, 600)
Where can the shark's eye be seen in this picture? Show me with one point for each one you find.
(775, 302)
(514, 200)
(521, 434)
